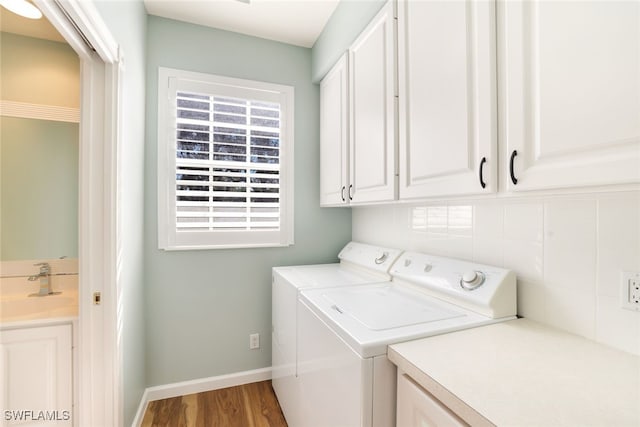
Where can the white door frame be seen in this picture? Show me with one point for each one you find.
(99, 391)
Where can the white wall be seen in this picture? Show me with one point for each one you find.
(567, 251)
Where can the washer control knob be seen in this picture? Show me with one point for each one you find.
(469, 276)
(471, 280)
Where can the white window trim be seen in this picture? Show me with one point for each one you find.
(168, 238)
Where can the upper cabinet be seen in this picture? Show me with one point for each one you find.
(539, 94)
(447, 98)
(358, 161)
(569, 93)
(334, 135)
(372, 69)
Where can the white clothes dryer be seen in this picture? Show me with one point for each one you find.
(359, 264)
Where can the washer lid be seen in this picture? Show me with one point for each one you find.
(386, 307)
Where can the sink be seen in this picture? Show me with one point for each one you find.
(25, 307)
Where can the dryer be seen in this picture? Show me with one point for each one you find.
(345, 377)
(359, 264)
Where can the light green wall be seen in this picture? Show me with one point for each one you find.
(201, 306)
(346, 23)
(127, 22)
(38, 189)
(39, 71)
(39, 175)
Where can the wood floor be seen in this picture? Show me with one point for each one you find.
(249, 405)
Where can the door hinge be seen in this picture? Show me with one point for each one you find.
(97, 298)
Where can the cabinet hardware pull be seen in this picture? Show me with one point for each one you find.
(513, 176)
(350, 193)
(482, 162)
(342, 193)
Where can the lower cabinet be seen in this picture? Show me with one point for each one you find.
(36, 376)
(417, 407)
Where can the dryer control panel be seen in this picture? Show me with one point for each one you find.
(371, 257)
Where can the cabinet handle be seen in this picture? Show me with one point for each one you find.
(513, 176)
(342, 193)
(350, 195)
(480, 173)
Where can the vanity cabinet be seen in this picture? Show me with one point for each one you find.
(447, 98)
(36, 374)
(334, 135)
(569, 93)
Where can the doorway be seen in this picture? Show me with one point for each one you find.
(98, 363)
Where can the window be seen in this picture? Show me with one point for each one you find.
(225, 162)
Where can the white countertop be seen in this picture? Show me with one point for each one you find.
(522, 373)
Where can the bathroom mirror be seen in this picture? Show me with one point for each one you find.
(39, 139)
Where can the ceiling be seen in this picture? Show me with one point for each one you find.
(38, 28)
(297, 22)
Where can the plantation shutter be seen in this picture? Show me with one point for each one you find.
(227, 163)
(224, 168)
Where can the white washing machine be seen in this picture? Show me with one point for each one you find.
(345, 377)
(359, 264)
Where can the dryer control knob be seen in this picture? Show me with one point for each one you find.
(471, 280)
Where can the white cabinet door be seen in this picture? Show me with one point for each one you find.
(36, 376)
(334, 135)
(570, 92)
(372, 110)
(447, 98)
(416, 407)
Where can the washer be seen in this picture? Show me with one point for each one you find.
(359, 264)
(343, 333)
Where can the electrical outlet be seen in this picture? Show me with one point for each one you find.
(254, 341)
(630, 290)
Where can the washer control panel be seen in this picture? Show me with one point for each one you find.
(483, 288)
(472, 279)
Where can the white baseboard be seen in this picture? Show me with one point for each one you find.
(198, 386)
(142, 408)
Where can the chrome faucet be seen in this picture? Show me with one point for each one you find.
(45, 283)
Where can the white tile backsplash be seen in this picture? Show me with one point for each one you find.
(437, 219)
(615, 327)
(567, 251)
(570, 245)
(488, 250)
(523, 221)
(618, 241)
(572, 311)
(460, 220)
(525, 258)
(488, 220)
(531, 300)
